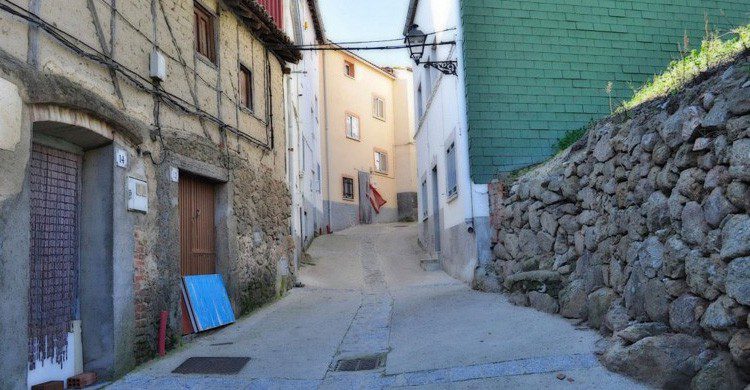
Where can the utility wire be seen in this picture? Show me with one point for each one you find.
(372, 41)
(357, 48)
(136, 79)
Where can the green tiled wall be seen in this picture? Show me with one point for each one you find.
(536, 69)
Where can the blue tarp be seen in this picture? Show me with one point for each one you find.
(207, 301)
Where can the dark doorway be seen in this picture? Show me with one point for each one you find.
(436, 209)
(365, 209)
(197, 231)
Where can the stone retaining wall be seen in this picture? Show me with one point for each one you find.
(641, 229)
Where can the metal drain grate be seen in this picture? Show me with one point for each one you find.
(361, 364)
(212, 365)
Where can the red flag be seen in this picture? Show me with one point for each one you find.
(376, 200)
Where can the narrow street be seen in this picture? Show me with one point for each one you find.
(365, 294)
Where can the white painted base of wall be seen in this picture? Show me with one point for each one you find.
(48, 370)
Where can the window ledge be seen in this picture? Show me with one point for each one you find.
(379, 118)
(452, 197)
(354, 139)
(206, 61)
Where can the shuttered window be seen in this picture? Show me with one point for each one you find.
(246, 87)
(450, 170)
(381, 162)
(378, 107)
(352, 126)
(205, 43)
(348, 188)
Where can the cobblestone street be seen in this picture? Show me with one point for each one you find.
(365, 294)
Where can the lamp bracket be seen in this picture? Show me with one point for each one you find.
(446, 67)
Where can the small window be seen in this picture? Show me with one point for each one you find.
(204, 33)
(348, 187)
(381, 162)
(246, 87)
(424, 199)
(352, 126)
(349, 68)
(420, 103)
(378, 108)
(450, 170)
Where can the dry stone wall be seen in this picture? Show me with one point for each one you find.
(642, 230)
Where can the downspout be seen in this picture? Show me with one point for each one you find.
(328, 143)
(463, 119)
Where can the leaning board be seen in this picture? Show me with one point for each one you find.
(207, 301)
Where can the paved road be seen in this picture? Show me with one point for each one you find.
(365, 294)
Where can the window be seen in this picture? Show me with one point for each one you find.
(348, 187)
(204, 33)
(420, 107)
(424, 199)
(349, 68)
(450, 170)
(378, 108)
(381, 162)
(246, 87)
(352, 126)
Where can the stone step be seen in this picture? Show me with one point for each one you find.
(430, 265)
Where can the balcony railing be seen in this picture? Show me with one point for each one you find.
(275, 8)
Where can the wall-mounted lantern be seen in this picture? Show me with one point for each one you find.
(415, 40)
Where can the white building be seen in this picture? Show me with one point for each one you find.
(453, 211)
(304, 26)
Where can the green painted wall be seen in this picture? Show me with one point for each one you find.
(536, 69)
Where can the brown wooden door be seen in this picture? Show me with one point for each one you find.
(197, 233)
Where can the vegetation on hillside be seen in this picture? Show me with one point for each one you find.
(713, 52)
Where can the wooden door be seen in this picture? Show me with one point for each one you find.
(197, 232)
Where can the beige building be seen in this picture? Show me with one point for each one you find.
(140, 141)
(367, 147)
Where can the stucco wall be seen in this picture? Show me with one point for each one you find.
(344, 156)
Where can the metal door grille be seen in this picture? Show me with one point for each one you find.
(54, 188)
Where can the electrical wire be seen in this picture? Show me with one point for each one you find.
(136, 79)
(372, 41)
(392, 47)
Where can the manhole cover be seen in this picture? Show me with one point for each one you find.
(361, 364)
(212, 365)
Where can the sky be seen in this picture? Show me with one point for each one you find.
(359, 20)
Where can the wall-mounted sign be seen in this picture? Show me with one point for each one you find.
(121, 158)
(174, 174)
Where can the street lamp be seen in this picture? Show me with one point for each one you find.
(415, 40)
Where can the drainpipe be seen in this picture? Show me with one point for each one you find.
(328, 143)
(463, 136)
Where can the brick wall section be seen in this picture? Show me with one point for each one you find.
(536, 69)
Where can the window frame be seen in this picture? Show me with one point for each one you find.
(344, 179)
(201, 11)
(347, 126)
(375, 100)
(248, 100)
(352, 67)
(384, 153)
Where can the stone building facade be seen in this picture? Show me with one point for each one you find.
(98, 158)
(642, 229)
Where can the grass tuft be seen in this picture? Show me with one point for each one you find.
(713, 52)
(571, 136)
